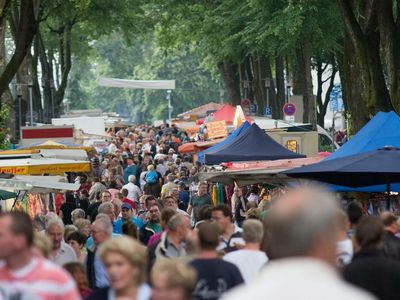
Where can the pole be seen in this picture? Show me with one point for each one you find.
(19, 96)
(221, 96)
(19, 111)
(267, 85)
(31, 104)
(52, 99)
(169, 110)
(169, 107)
(333, 133)
(388, 193)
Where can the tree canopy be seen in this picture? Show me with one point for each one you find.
(239, 46)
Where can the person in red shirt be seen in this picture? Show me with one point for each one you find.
(22, 275)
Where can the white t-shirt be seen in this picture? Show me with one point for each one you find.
(249, 262)
(134, 191)
(64, 255)
(344, 252)
(298, 278)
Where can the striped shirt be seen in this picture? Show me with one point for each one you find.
(40, 279)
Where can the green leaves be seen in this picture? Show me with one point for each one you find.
(143, 60)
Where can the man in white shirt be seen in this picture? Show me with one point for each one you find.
(230, 234)
(134, 192)
(301, 244)
(161, 167)
(250, 259)
(172, 202)
(61, 252)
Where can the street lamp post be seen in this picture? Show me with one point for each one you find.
(169, 106)
(288, 85)
(30, 85)
(267, 86)
(221, 96)
(19, 96)
(52, 98)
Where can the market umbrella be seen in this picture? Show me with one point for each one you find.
(4, 195)
(56, 145)
(380, 166)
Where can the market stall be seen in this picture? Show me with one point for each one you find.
(253, 145)
(245, 173)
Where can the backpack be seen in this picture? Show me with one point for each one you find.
(151, 177)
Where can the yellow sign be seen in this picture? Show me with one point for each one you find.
(216, 129)
(292, 145)
(46, 169)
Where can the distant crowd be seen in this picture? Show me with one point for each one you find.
(143, 226)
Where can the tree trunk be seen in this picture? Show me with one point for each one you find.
(260, 73)
(352, 87)
(65, 58)
(6, 98)
(47, 75)
(229, 73)
(36, 85)
(248, 81)
(390, 44)
(304, 62)
(22, 77)
(298, 74)
(25, 31)
(322, 104)
(280, 88)
(366, 42)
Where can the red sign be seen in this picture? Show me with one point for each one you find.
(289, 109)
(48, 133)
(245, 103)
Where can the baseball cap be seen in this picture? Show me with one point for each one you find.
(126, 205)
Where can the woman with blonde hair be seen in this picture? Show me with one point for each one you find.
(172, 280)
(83, 226)
(42, 245)
(125, 261)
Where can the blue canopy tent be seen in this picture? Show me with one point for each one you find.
(228, 140)
(382, 130)
(254, 144)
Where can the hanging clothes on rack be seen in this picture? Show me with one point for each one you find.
(214, 195)
(221, 194)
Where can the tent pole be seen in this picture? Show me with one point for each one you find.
(15, 200)
(388, 194)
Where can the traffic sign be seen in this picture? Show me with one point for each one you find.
(289, 109)
(245, 103)
(289, 118)
(268, 111)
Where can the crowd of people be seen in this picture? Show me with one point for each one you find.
(142, 226)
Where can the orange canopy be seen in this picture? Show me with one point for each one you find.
(226, 113)
(197, 146)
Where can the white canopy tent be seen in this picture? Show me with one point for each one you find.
(38, 184)
(142, 84)
(138, 84)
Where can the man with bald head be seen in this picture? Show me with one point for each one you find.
(301, 236)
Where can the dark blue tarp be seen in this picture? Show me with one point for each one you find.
(254, 144)
(382, 130)
(373, 167)
(228, 140)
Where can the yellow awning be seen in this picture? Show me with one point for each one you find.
(32, 166)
